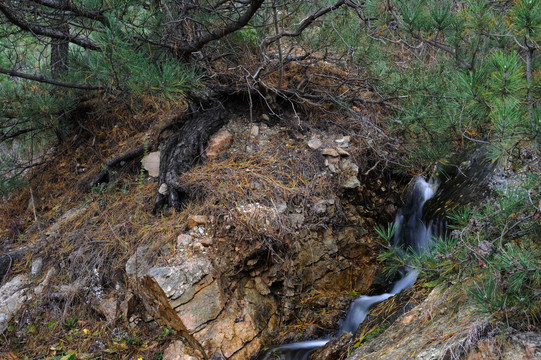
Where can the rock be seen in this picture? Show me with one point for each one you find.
(205, 306)
(261, 287)
(265, 117)
(38, 290)
(332, 349)
(137, 260)
(344, 142)
(219, 143)
(183, 240)
(180, 283)
(254, 131)
(37, 265)
(349, 167)
(296, 219)
(342, 152)
(12, 297)
(207, 241)
(320, 207)
(108, 307)
(70, 214)
(164, 190)
(351, 183)
(523, 345)
(151, 163)
(197, 220)
(330, 152)
(314, 143)
(178, 351)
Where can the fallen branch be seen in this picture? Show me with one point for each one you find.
(127, 156)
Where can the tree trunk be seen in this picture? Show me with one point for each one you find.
(182, 151)
(59, 57)
(60, 48)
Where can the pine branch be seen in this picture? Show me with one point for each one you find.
(46, 80)
(44, 31)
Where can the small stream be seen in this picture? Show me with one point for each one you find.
(411, 231)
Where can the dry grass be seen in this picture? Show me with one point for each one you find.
(249, 196)
(89, 250)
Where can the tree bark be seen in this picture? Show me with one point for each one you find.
(182, 151)
(60, 48)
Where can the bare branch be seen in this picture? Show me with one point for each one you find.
(46, 80)
(304, 24)
(219, 33)
(69, 6)
(40, 30)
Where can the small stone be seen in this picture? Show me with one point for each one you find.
(219, 143)
(164, 190)
(265, 117)
(254, 132)
(352, 183)
(332, 168)
(320, 207)
(251, 262)
(196, 220)
(330, 152)
(261, 287)
(332, 160)
(314, 143)
(37, 264)
(344, 141)
(342, 152)
(207, 241)
(151, 163)
(183, 240)
(349, 167)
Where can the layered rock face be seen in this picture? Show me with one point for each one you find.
(233, 297)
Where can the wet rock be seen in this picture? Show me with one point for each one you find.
(151, 163)
(332, 349)
(197, 220)
(446, 331)
(219, 143)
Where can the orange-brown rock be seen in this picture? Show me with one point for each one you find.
(219, 143)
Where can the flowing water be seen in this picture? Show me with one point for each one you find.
(411, 231)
